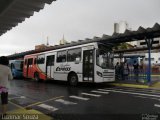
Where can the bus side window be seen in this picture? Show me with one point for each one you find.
(61, 56)
(41, 59)
(74, 54)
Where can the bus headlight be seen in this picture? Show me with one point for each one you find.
(99, 73)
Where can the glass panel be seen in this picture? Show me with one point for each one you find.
(61, 56)
(104, 57)
(30, 61)
(40, 59)
(73, 54)
(50, 60)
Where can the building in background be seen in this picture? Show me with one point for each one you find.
(142, 43)
(41, 47)
(121, 27)
(63, 41)
(116, 28)
(155, 56)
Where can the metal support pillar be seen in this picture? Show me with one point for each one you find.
(149, 44)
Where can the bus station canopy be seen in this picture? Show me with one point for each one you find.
(129, 36)
(109, 41)
(13, 12)
(136, 49)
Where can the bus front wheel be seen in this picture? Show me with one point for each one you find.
(73, 79)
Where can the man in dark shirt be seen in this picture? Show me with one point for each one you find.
(136, 70)
(117, 71)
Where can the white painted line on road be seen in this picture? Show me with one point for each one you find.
(21, 97)
(130, 93)
(137, 90)
(94, 95)
(100, 92)
(48, 107)
(141, 96)
(147, 97)
(156, 105)
(65, 102)
(80, 98)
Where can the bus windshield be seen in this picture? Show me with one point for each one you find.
(104, 58)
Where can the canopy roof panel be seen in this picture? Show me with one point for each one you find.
(13, 12)
(110, 41)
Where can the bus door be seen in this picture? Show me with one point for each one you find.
(88, 65)
(50, 66)
(29, 68)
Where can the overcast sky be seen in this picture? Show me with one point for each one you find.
(77, 20)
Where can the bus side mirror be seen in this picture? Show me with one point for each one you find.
(77, 61)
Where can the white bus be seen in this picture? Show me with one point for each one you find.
(90, 62)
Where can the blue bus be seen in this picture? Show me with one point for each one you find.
(16, 68)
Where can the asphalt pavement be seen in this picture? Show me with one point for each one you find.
(59, 101)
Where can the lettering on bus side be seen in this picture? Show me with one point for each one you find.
(63, 68)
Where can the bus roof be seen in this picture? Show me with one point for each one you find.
(64, 47)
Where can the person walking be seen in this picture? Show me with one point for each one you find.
(5, 76)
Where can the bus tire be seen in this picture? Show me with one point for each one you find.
(36, 77)
(73, 79)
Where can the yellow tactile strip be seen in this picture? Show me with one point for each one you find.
(156, 85)
(130, 85)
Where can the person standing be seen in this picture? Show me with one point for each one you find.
(126, 70)
(121, 69)
(117, 71)
(141, 67)
(5, 76)
(136, 70)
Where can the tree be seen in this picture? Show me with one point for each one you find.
(121, 46)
